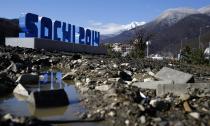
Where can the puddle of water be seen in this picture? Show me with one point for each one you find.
(16, 104)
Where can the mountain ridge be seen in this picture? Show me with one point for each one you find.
(168, 32)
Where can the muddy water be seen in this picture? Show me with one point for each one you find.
(17, 105)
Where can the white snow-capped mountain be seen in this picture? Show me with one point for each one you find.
(133, 25)
(111, 29)
(171, 16)
(205, 10)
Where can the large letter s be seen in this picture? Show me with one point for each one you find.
(28, 26)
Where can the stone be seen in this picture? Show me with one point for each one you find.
(153, 102)
(103, 87)
(177, 76)
(195, 115)
(49, 98)
(78, 83)
(151, 84)
(142, 95)
(151, 73)
(127, 122)
(125, 76)
(157, 119)
(134, 80)
(141, 107)
(129, 82)
(87, 80)
(148, 79)
(124, 64)
(160, 105)
(28, 79)
(19, 89)
(7, 117)
(69, 76)
(111, 114)
(113, 79)
(128, 72)
(193, 89)
(115, 66)
(143, 119)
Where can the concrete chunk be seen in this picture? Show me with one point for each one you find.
(49, 98)
(20, 90)
(195, 89)
(151, 84)
(177, 76)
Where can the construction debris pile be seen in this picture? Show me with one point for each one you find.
(120, 91)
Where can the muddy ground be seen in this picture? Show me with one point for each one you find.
(105, 85)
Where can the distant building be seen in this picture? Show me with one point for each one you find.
(157, 57)
(207, 53)
(116, 47)
(125, 49)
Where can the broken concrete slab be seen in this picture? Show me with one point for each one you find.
(28, 79)
(178, 77)
(194, 89)
(20, 90)
(151, 84)
(49, 98)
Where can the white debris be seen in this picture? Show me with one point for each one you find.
(115, 66)
(19, 89)
(195, 115)
(148, 79)
(151, 73)
(142, 95)
(153, 102)
(7, 116)
(143, 119)
(127, 122)
(111, 114)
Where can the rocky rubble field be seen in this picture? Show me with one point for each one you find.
(105, 85)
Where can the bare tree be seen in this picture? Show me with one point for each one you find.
(139, 43)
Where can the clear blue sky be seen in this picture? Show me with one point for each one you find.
(80, 12)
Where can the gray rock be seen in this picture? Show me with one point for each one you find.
(125, 76)
(143, 119)
(19, 89)
(177, 76)
(49, 98)
(151, 84)
(160, 105)
(194, 89)
(195, 115)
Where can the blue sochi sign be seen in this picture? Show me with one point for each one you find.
(36, 26)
